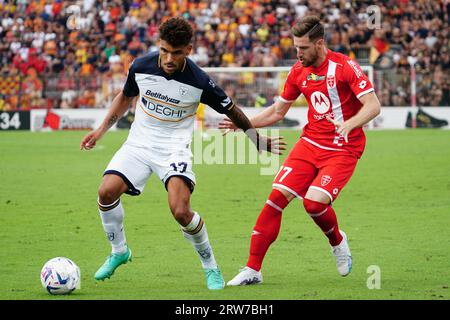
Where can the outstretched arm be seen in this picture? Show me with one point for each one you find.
(269, 116)
(240, 120)
(119, 106)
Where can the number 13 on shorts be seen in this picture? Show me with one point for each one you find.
(284, 171)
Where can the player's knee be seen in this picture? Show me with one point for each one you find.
(107, 195)
(281, 194)
(181, 212)
(314, 207)
(280, 198)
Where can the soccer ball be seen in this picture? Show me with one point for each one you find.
(60, 275)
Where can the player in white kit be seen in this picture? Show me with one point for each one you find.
(168, 87)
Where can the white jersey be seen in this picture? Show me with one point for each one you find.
(167, 104)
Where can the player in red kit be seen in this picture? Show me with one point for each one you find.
(341, 100)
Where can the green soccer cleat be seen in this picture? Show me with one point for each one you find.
(214, 279)
(111, 264)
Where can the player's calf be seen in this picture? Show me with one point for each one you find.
(196, 233)
(266, 229)
(325, 217)
(182, 213)
(264, 234)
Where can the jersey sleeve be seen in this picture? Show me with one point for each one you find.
(291, 91)
(357, 80)
(131, 88)
(215, 97)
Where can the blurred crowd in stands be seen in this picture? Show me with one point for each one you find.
(75, 54)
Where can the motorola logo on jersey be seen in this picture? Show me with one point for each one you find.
(161, 109)
(320, 102)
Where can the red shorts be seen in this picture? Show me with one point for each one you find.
(308, 166)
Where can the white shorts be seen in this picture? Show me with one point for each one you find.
(136, 164)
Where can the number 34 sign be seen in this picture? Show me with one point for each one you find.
(14, 120)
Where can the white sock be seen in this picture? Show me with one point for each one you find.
(196, 233)
(112, 220)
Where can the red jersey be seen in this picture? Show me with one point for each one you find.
(331, 89)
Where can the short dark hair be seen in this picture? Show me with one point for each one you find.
(311, 26)
(176, 31)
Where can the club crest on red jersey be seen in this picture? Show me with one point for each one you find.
(325, 180)
(331, 81)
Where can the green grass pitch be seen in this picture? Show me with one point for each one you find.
(395, 210)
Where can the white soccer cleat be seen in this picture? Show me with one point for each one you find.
(343, 256)
(245, 277)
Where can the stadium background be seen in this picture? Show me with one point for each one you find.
(72, 56)
(75, 54)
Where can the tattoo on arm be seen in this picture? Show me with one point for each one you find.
(242, 122)
(112, 120)
(239, 118)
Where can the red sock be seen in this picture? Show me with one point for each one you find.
(325, 217)
(266, 228)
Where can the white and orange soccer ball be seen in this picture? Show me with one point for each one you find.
(60, 275)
